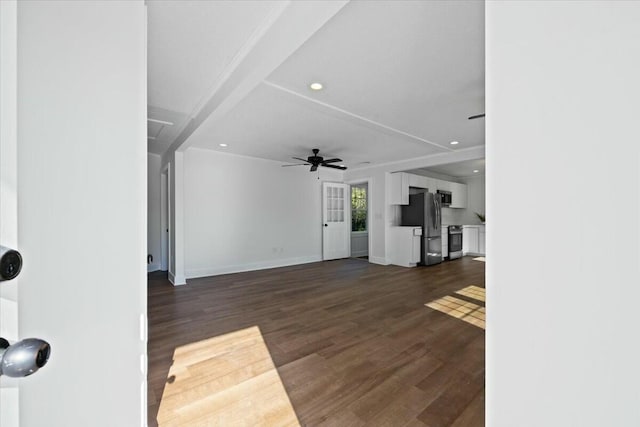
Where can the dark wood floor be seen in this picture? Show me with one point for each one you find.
(353, 342)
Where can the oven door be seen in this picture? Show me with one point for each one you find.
(455, 245)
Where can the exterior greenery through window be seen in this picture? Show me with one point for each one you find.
(358, 208)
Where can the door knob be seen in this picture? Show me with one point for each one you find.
(10, 263)
(23, 358)
(326, 225)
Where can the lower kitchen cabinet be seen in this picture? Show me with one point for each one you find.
(445, 242)
(473, 237)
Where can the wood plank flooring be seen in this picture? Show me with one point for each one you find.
(338, 343)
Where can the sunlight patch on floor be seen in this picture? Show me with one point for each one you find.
(464, 310)
(228, 380)
(480, 258)
(475, 292)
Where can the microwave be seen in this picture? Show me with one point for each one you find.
(445, 198)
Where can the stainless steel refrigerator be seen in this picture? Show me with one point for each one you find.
(424, 209)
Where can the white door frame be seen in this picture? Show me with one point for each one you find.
(164, 219)
(166, 171)
(369, 204)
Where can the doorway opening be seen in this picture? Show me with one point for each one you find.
(360, 220)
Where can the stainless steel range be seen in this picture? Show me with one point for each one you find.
(455, 241)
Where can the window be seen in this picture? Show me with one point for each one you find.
(358, 208)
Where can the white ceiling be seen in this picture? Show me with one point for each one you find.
(190, 44)
(400, 80)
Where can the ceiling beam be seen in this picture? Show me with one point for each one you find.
(283, 31)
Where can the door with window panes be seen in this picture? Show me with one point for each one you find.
(336, 221)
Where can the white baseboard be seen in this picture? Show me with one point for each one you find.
(378, 260)
(359, 254)
(152, 267)
(262, 265)
(177, 280)
(473, 254)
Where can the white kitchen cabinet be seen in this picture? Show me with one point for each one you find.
(443, 185)
(399, 191)
(405, 246)
(458, 195)
(418, 181)
(415, 180)
(445, 242)
(473, 237)
(431, 184)
(401, 181)
(470, 236)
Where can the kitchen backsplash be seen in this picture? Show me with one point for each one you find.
(452, 216)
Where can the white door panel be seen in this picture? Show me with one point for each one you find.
(336, 218)
(73, 202)
(9, 392)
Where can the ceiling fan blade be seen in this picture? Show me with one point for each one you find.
(313, 168)
(297, 164)
(335, 167)
(302, 160)
(332, 161)
(477, 116)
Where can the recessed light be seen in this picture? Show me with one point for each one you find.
(476, 171)
(315, 86)
(454, 143)
(223, 145)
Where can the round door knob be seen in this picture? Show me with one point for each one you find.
(326, 225)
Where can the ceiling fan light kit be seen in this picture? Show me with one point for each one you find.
(316, 161)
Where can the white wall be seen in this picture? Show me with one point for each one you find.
(475, 200)
(154, 229)
(243, 213)
(563, 142)
(82, 209)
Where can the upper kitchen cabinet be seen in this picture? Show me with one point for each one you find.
(401, 181)
(432, 184)
(418, 181)
(443, 185)
(458, 195)
(399, 191)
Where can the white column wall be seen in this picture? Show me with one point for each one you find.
(563, 181)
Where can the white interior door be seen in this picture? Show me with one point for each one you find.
(9, 392)
(336, 221)
(73, 203)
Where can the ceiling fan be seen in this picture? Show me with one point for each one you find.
(316, 161)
